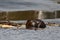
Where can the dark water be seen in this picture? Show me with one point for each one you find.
(16, 5)
(46, 5)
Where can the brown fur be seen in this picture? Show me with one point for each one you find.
(41, 24)
(29, 24)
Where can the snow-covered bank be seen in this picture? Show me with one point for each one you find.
(49, 33)
(52, 20)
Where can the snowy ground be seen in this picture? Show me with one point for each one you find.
(57, 20)
(49, 33)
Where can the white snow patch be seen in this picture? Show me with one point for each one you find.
(49, 33)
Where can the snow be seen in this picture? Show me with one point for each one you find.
(57, 20)
(49, 33)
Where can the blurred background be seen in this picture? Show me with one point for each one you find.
(30, 14)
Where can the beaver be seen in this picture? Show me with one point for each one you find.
(37, 23)
(29, 24)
